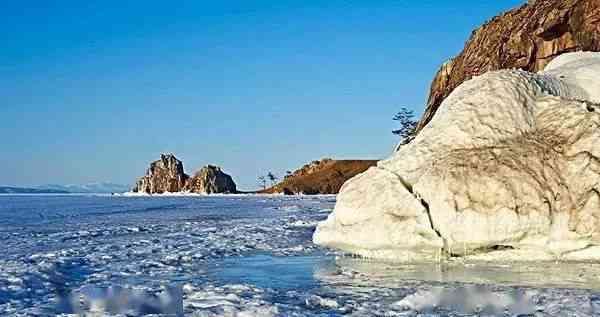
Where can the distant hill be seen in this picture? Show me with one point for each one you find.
(321, 177)
(21, 190)
(93, 188)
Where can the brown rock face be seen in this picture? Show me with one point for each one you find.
(164, 176)
(211, 180)
(528, 38)
(321, 177)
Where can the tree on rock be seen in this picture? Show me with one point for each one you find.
(272, 178)
(408, 125)
(262, 181)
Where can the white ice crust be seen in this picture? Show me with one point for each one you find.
(508, 169)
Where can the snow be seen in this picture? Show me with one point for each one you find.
(506, 170)
(579, 71)
(190, 194)
(471, 300)
(107, 240)
(238, 256)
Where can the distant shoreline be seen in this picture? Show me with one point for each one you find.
(186, 194)
(56, 194)
(166, 195)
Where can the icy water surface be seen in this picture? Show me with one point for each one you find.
(243, 256)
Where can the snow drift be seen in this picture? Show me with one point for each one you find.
(508, 168)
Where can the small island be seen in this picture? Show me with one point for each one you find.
(167, 175)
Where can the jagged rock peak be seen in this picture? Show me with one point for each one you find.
(528, 37)
(211, 180)
(165, 175)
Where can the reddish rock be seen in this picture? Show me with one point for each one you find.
(164, 176)
(321, 177)
(167, 176)
(528, 38)
(211, 180)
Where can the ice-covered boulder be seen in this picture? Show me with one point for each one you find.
(509, 167)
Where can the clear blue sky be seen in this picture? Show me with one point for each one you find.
(95, 90)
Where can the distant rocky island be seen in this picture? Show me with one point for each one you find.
(506, 162)
(167, 175)
(320, 177)
(326, 176)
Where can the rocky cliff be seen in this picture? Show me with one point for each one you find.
(527, 38)
(167, 176)
(321, 177)
(211, 180)
(509, 170)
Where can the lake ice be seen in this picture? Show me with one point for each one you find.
(244, 256)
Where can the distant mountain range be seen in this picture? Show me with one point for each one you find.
(22, 190)
(94, 188)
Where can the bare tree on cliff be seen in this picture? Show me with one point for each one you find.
(272, 178)
(408, 125)
(262, 181)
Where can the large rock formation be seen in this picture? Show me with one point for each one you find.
(211, 180)
(508, 168)
(526, 38)
(167, 176)
(164, 176)
(321, 177)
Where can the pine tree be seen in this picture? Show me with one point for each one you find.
(408, 125)
(262, 181)
(272, 178)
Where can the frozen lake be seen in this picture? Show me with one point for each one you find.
(244, 256)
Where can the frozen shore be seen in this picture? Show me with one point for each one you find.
(507, 169)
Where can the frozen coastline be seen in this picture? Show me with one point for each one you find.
(243, 256)
(507, 169)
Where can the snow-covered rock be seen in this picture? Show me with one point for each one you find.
(508, 167)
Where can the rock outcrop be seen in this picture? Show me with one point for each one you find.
(211, 180)
(527, 38)
(321, 177)
(167, 176)
(163, 176)
(508, 169)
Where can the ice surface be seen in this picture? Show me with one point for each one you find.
(240, 256)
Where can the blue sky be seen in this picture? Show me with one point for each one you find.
(95, 90)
